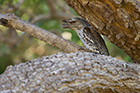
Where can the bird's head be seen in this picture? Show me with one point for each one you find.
(75, 23)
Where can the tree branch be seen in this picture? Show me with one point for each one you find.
(119, 20)
(11, 8)
(54, 13)
(72, 73)
(11, 20)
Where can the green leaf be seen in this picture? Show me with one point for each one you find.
(1, 2)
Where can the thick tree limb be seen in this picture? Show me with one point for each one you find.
(11, 20)
(72, 73)
(119, 20)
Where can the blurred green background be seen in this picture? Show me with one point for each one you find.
(17, 46)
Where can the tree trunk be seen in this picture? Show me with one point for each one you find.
(119, 20)
(72, 73)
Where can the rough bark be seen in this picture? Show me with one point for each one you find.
(119, 20)
(72, 73)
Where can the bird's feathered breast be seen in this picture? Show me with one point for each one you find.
(94, 40)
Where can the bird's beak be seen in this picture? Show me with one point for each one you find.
(66, 23)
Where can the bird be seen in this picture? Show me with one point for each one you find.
(91, 39)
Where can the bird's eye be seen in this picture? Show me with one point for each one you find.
(72, 21)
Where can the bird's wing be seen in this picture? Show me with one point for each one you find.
(95, 41)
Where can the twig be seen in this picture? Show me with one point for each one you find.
(10, 8)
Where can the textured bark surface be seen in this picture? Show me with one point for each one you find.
(72, 73)
(119, 20)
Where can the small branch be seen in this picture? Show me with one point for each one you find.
(59, 15)
(11, 20)
(9, 37)
(51, 6)
(40, 17)
(10, 8)
(53, 14)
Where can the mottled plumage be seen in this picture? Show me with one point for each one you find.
(90, 38)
